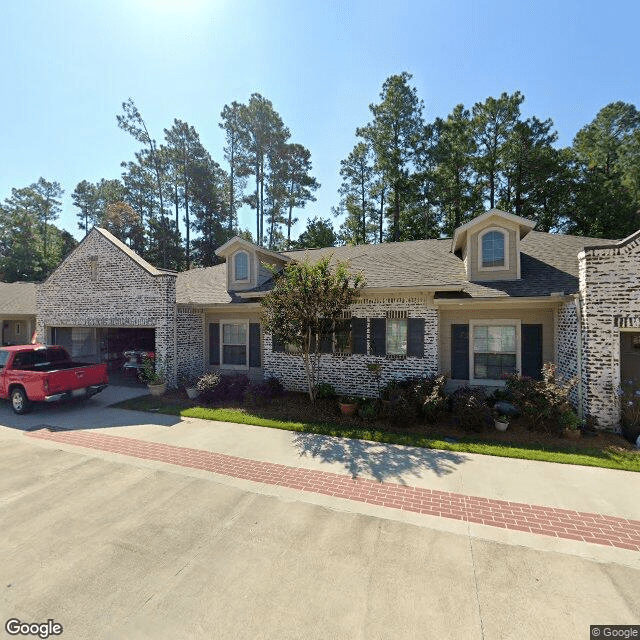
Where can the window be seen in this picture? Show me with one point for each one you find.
(342, 342)
(234, 344)
(493, 250)
(241, 266)
(494, 351)
(396, 337)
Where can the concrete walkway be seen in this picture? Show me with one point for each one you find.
(592, 492)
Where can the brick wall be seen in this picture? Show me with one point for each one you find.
(190, 346)
(123, 294)
(610, 293)
(567, 345)
(348, 373)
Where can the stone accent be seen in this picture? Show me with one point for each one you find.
(190, 349)
(610, 294)
(98, 285)
(567, 345)
(348, 373)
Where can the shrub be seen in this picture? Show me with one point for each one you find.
(261, 392)
(234, 386)
(367, 408)
(325, 391)
(187, 381)
(543, 403)
(413, 397)
(470, 408)
(207, 386)
(629, 392)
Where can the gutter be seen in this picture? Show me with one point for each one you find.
(576, 298)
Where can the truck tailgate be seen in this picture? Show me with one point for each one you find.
(79, 377)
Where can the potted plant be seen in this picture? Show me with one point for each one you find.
(501, 422)
(367, 408)
(348, 405)
(154, 376)
(189, 383)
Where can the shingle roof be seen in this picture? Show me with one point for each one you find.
(17, 298)
(549, 264)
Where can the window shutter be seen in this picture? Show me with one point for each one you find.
(531, 351)
(326, 336)
(214, 343)
(378, 345)
(277, 346)
(254, 344)
(415, 337)
(460, 351)
(359, 335)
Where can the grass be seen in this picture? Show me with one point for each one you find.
(593, 457)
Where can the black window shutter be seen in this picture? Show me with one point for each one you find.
(460, 351)
(277, 346)
(378, 346)
(415, 337)
(214, 343)
(326, 336)
(254, 344)
(359, 335)
(531, 351)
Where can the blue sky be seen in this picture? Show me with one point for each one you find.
(67, 65)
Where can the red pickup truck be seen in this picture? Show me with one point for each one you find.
(38, 373)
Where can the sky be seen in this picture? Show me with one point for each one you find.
(66, 66)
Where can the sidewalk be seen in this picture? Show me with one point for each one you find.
(457, 492)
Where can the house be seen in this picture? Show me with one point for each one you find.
(496, 298)
(17, 312)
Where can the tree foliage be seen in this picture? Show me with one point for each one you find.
(303, 305)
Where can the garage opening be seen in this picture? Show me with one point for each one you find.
(122, 348)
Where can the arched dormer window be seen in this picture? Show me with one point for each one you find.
(241, 266)
(493, 249)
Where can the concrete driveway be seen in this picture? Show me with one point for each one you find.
(116, 547)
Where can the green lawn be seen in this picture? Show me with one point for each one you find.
(594, 457)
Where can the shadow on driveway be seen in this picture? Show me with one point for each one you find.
(94, 413)
(382, 461)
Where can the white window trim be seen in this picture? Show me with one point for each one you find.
(492, 323)
(236, 367)
(505, 236)
(247, 280)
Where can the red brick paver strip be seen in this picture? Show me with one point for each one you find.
(547, 521)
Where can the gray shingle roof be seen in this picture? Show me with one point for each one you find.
(17, 298)
(549, 264)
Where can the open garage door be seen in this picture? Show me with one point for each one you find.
(107, 344)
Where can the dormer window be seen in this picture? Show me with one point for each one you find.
(241, 266)
(493, 252)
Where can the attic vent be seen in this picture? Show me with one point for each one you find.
(346, 315)
(93, 268)
(395, 314)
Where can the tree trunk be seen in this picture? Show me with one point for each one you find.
(381, 212)
(396, 213)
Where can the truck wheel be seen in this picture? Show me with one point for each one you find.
(19, 401)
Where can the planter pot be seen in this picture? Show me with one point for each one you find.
(192, 392)
(571, 434)
(157, 389)
(501, 426)
(347, 409)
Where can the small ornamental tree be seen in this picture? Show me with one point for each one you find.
(304, 304)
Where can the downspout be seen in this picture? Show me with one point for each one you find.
(576, 297)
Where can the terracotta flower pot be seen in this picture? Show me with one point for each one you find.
(348, 409)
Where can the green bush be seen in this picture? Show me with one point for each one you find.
(258, 393)
(367, 408)
(214, 387)
(207, 386)
(325, 391)
(470, 409)
(544, 404)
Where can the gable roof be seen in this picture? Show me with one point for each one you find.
(18, 298)
(228, 247)
(549, 264)
(460, 233)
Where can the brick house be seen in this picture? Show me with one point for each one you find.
(498, 297)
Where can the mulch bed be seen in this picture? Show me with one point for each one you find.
(295, 407)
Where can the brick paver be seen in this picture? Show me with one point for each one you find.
(547, 521)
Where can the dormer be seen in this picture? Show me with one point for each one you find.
(489, 245)
(248, 264)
